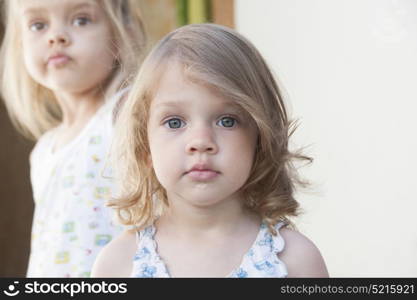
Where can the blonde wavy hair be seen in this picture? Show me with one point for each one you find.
(32, 107)
(223, 60)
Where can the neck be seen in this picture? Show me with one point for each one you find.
(185, 220)
(78, 107)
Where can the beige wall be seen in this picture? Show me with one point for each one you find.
(350, 69)
(159, 18)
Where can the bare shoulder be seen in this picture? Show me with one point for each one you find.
(115, 259)
(301, 256)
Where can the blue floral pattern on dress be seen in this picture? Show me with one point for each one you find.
(261, 260)
(265, 266)
(241, 273)
(142, 253)
(147, 271)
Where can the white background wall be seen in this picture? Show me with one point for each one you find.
(350, 70)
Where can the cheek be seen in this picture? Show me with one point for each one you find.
(242, 145)
(101, 60)
(31, 59)
(241, 153)
(97, 46)
(164, 169)
(164, 158)
(92, 57)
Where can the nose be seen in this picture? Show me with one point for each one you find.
(201, 141)
(59, 37)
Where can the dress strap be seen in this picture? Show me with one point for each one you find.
(278, 243)
(145, 236)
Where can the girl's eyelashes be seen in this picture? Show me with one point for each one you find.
(37, 26)
(227, 122)
(177, 123)
(81, 21)
(174, 123)
(78, 21)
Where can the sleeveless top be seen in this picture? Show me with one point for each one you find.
(260, 261)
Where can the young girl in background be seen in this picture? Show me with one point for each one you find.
(207, 178)
(63, 67)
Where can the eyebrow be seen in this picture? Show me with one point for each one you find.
(35, 10)
(168, 104)
(178, 103)
(90, 4)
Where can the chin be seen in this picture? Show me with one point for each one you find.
(204, 197)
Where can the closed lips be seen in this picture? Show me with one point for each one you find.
(58, 59)
(202, 173)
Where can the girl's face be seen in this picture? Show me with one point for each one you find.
(66, 43)
(202, 146)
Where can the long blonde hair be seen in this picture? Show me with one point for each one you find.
(32, 107)
(223, 60)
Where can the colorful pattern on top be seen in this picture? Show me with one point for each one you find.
(70, 187)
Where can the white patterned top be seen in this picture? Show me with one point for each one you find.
(71, 222)
(260, 261)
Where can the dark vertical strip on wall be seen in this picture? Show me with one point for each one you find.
(182, 9)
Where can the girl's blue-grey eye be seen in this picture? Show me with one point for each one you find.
(37, 26)
(174, 123)
(227, 122)
(81, 21)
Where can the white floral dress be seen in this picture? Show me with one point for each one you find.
(71, 222)
(260, 261)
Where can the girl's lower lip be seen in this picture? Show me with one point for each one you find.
(202, 175)
(58, 61)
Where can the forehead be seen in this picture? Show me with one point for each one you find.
(27, 6)
(177, 86)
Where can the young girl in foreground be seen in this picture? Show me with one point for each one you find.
(207, 179)
(63, 64)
